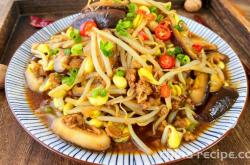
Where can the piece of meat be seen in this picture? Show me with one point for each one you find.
(54, 79)
(37, 69)
(143, 90)
(135, 64)
(75, 63)
(131, 77)
(114, 130)
(188, 136)
(73, 121)
(180, 122)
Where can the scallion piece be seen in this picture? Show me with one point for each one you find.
(106, 48)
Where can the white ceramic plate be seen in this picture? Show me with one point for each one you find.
(15, 91)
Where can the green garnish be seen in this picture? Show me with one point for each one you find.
(153, 9)
(132, 8)
(131, 12)
(69, 80)
(67, 52)
(77, 49)
(120, 73)
(106, 48)
(55, 51)
(78, 39)
(179, 27)
(159, 18)
(174, 51)
(168, 6)
(74, 34)
(184, 59)
(99, 92)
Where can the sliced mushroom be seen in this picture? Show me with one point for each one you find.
(85, 138)
(186, 39)
(105, 14)
(217, 104)
(200, 89)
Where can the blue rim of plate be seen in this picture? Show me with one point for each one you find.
(15, 92)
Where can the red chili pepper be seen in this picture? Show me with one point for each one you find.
(162, 32)
(150, 17)
(166, 61)
(142, 12)
(86, 27)
(143, 35)
(39, 22)
(165, 91)
(197, 47)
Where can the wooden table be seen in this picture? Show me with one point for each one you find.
(18, 148)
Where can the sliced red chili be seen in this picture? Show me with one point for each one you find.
(197, 47)
(86, 27)
(166, 61)
(165, 91)
(143, 35)
(162, 32)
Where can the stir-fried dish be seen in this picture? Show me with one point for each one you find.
(125, 66)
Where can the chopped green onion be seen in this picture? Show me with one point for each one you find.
(67, 52)
(153, 9)
(127, 24)
(106, 48)
(132, 8)
(122, 27)
(120, 73)
(159, 18)
(179, 57)
(184, 59)
(77, 49)
(168, 6)
(130, 15)
(78, 39)
(174, 51)
(179, 27)
(69, 80)
(55, 51)
(74, 34)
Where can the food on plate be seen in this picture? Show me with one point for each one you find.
(3, 69)
(128, 73)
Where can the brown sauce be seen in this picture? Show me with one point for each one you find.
(144, 133)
